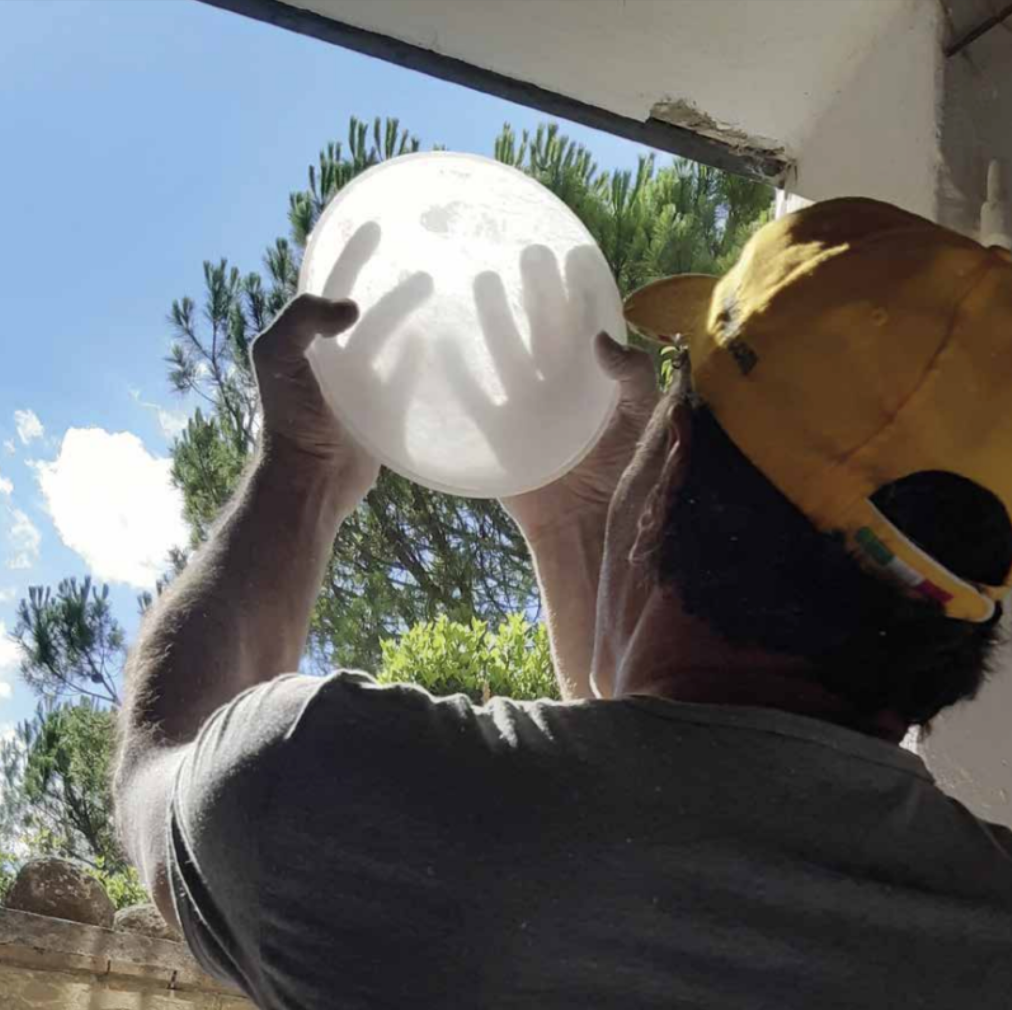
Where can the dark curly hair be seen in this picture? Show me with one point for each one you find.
(749, 563)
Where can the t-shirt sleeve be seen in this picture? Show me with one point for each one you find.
(369, 795)
(222, 792)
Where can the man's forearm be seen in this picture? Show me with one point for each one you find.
(568, 564)
(239, 614)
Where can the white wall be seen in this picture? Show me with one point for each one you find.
(969, 749)
(879, 137)
(976, 123)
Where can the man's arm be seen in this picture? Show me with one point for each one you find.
(568, 566)
(564, 522)
(239, 614)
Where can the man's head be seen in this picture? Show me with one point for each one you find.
(833, 490)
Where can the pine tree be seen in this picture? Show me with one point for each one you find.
(408, 554)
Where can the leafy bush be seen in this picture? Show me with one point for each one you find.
(123, 886)
(450, 657)
(8, 871)
(55, 795)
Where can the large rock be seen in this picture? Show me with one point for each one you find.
(145, 919)
(60, 889)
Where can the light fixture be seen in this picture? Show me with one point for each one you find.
(994, 229)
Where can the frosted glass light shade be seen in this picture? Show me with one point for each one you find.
(471, 368)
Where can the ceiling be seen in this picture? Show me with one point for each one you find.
(738, 83)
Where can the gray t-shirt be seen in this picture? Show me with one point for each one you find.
(338, 844)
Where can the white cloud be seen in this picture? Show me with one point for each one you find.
(23, 539)
(6, 485)
(9, 447)
(8, 594)
(10, 660)
(114, 504)
(29, 426)
(172, 422)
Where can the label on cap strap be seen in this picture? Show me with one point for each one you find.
(897, 568)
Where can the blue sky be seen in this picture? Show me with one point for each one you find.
(139, 140)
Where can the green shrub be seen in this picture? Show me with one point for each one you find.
(123, 886)
(449, 657)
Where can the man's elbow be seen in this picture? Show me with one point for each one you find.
(142, 785)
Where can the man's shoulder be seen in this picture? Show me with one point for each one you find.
(338, 720)
(355, 706)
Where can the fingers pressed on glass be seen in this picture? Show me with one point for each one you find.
(547, 308)
(489, 418)
(505, 344)
(587, 280)
(398, 393)
(359, 250)
(385, 317)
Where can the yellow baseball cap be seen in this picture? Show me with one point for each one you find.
(854, 344)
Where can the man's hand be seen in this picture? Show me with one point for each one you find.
(298, 423)
(582, 496)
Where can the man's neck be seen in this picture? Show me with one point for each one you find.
(676, 657)
(766, 689)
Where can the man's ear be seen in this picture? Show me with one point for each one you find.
(669, 482)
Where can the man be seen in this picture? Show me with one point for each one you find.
(753, 591)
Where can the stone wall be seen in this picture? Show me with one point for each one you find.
(61, 965)
(64, 947)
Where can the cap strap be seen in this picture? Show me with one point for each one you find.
(886, 549)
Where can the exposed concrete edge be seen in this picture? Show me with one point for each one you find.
(40, 943)
(767, 166)
(683, 113)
